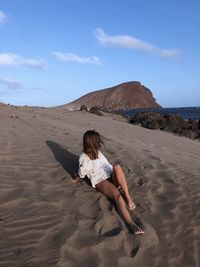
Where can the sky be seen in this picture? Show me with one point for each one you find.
(54, 51)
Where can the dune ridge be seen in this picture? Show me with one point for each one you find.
(48, 220)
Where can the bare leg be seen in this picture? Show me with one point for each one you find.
(119, 179)
(109, 190)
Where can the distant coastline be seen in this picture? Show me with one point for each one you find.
(185, 112)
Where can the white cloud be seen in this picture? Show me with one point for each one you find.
(15, 60)
(11, 84)
(127, 41)
(3, 18)
(75, 58)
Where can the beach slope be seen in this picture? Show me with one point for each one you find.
(46, 219)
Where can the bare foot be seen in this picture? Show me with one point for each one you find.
(136, 230)
(131, 204)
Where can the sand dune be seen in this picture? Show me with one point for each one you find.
(48, 220)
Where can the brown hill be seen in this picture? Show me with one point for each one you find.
(126, 95)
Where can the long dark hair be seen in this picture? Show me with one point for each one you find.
(92, 142)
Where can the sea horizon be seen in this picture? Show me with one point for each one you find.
(185, 112)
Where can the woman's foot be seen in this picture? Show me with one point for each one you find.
(136, 230)
(131, 204)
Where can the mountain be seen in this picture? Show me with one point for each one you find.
(128, 95)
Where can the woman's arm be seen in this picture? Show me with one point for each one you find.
(84, 166)
(106, 161)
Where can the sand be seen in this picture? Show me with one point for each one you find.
(48, 220)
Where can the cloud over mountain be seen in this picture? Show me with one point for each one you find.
(127, 41)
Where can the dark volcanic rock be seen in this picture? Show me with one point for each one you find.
(172, 122)
(127, 95)
(191, 134)
(96, 110)
(83, 108)
(115, 114)
(150, 120)
(168, 122)
(194, 124)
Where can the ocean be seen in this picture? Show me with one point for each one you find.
(185, 112)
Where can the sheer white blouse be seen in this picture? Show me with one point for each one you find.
(96, 170)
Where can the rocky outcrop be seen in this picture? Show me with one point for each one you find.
(101, 111)
(168, 122)
(83, 108)
(127, 95)
(96, 110)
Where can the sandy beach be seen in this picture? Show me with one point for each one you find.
(48, 220)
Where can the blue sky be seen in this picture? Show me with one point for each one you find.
(54, 51)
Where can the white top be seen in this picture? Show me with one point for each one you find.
(96, 170)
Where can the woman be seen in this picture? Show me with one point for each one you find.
(108, 179)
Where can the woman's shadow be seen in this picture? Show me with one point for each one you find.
(68, 160)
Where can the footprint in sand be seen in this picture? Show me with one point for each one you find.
(150, 238)
(131, 245)
(142, 181)
(108, 226)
